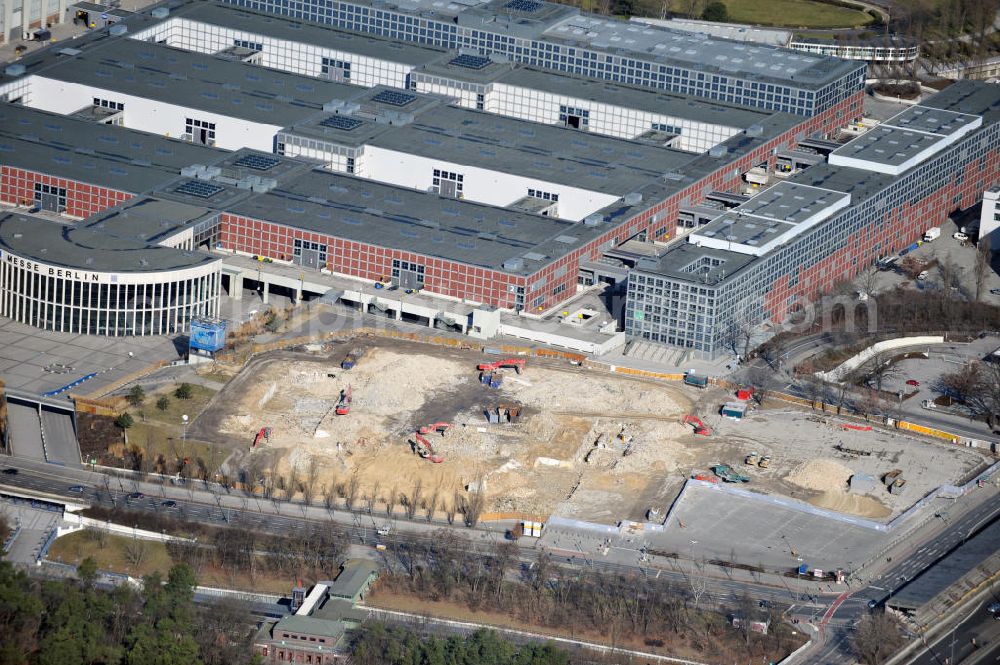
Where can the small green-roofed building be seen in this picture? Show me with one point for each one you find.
(316, 633)
(355, 579)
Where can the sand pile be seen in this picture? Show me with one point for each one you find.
(864, 506)
(823, 475)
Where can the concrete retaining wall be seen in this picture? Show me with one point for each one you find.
(838, 373)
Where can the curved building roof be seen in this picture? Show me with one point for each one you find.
(76, 248)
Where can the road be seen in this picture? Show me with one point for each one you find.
(834, 618)
(974, 639)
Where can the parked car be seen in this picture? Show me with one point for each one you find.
(10, 471)
(136, 495)
(169, 503)
(995, 292)
(913, 382)
(961, 237)
(76, 489)
(922, 276)
(993, 607)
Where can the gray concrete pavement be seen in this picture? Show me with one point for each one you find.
(35, 527)
(38, 361)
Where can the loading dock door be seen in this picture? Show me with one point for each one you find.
(50, 198)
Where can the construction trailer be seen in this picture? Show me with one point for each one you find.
(692, 378)
(734, 410)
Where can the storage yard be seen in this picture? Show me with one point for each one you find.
(553, 439)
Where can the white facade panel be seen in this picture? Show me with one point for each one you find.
(480, 185)
(280, 54)
(152, 116)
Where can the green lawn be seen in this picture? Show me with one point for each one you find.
(795, 14)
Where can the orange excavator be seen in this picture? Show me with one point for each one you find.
(344, 404)
(699, 427)
(435, 427)
(516, 363)
(262, 435)
(424, 448)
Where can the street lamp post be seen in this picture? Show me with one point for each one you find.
(184, 420)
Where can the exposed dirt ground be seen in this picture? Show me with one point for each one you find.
(588, 445)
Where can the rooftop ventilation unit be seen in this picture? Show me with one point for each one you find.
(633, 198)
(160, 12)
(755, 130)
(718, 151)
(118, 29)
(593, 220)
(513, 265)
(14, 70)
(334, 106)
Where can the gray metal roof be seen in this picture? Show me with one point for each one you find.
(105, 155)
(561, 23)
(546, 152)
(197, 80)
(297, 625)
(771, 218)
(913, 134)
(237, 18)
(971, 97)
(701, 52)
(85, 249)
(353, 576)
(148, 219)
(369, 212)
(948, 571)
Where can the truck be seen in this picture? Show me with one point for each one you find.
(691, 378)
(932, 234)
(351, 359)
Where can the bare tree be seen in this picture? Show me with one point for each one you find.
(876, 637)
(868, 280)
(763, 381)
(413, 502)
(475, 502)
(982, 267)
(811, 387)
(135, 551)
(911, 266)
(351, 491)
(391, 500)
(432, 503)
(309, 481)
(880, 369)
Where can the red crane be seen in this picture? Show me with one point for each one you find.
(516, 363)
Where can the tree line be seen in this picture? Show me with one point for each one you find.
(377, 644)
(75, 622)
(615, 609)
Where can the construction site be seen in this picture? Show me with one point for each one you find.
(544, 437)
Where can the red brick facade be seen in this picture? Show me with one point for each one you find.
(17, 186)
